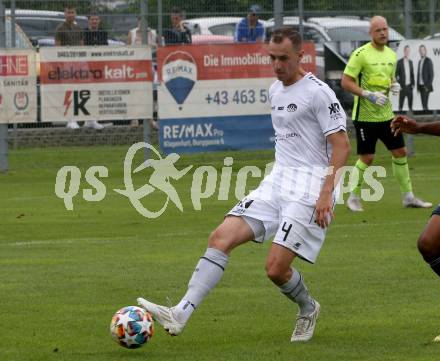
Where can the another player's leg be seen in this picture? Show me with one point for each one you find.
(354, 200)
(401, 173)
(366, 139)
(429, 242)
(208, 272)
(291, 284)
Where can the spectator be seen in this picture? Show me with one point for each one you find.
(179, 34)
(69, 33)
(135, 36)
(249, 29)
(94, 35)
(135, 39)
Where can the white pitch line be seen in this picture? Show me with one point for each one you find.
(96, 240)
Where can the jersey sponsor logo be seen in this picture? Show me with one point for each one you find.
(281, 108)
(279, 137)
(297, 245)
(292, 107)
(334, 108)
(246, 203)
(242, 205)
(335, 111)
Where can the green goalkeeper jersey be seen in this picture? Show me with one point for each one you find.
(374, 70)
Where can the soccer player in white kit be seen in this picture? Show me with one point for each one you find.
(294, 203)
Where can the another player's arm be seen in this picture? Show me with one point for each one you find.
(349, 84)
(395, 87)
(341, 151)
(403, 124)
(351, 73)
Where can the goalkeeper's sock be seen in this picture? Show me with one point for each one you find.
(401, 173)
(296, 290)
(435, 265)
(207, 274)
(361, 167)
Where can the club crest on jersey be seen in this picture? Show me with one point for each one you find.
(292, 107)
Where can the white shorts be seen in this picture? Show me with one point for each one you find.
(292, 222)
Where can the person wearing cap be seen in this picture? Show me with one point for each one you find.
(249, 29)
(179, 34)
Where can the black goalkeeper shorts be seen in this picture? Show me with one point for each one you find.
(367, 134)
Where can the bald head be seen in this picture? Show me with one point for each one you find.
(378, 21)
(379, 31)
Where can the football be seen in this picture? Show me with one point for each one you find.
(131, 327)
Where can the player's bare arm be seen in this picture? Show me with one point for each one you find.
(349, 84)
(403, 124)
(341, 152)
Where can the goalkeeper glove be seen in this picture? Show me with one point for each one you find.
(395, 88)
(377, 98)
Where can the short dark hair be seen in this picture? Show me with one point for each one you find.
(278, 35)
(406, 47)
(176, 11)
(69, 6)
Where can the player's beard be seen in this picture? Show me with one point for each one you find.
(380, 42)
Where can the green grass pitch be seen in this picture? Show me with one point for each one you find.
(64, 273)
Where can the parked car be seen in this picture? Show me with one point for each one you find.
(348, 32)
(212, 39)
(221, 25)
(40, 26)
(335, 38)
(21, 39)
(435, 36)
(213, 25)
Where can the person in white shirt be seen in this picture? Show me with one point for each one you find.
(135, 36)
(405, 77)
(294, 203)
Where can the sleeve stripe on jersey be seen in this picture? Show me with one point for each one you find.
(338, 127)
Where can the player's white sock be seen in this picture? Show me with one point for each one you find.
(182, 312)
(207, 274)
(296, 290)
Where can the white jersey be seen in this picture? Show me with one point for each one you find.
(283, 205)
(303, 115)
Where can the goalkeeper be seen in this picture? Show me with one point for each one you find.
(369, 75)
